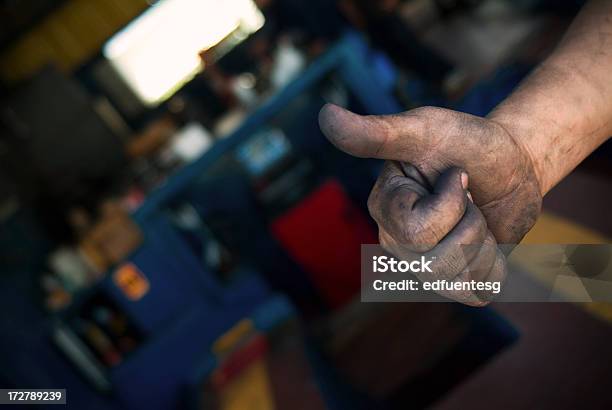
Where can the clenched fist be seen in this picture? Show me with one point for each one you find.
(450, 179)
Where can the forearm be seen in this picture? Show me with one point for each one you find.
(563, 111)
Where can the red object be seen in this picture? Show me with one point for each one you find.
(323, 234)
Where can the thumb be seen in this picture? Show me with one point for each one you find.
(401, 137)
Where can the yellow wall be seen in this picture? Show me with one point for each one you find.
(67, 37)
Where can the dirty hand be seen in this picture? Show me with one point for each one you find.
(420, 201)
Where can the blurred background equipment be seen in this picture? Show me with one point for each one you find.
(176, 232)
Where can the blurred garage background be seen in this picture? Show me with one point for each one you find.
(176, 232)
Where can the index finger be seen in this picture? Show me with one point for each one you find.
(413, 215)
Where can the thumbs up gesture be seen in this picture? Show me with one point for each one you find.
(450, 179)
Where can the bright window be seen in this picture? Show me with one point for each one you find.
(159, 51)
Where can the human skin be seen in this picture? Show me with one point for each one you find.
(503, 164)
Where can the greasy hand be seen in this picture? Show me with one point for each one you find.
(419, 202)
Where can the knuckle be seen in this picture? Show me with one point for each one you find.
(452, 266)
(387, 133)
(383, 240)
(377, 199)
(428, 116)
(373, 203)
(476, 225)
(426, 111)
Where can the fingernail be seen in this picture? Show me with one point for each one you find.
(464, 180)
(470, 197)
